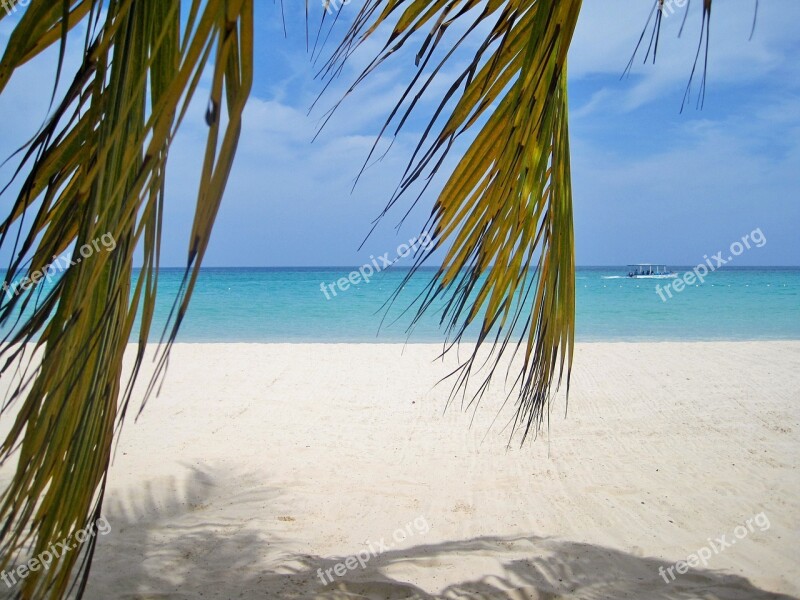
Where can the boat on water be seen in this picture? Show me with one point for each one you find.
(650, 271)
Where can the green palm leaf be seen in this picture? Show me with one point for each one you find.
(97, 169)
(505, 213)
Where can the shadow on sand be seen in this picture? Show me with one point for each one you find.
(165, 545)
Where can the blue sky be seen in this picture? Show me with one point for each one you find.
(650, 184)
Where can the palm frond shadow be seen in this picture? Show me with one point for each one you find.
(168, 555)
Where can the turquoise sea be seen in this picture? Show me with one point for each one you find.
(287, 305)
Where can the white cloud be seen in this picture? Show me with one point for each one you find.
(717, 181)
(607, 35)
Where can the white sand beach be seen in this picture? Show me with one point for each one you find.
(260, 467)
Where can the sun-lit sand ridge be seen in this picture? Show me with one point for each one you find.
(260, 467)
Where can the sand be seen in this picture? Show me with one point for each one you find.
(261, 467)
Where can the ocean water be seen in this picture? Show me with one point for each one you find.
(287, 305)
(262, 305)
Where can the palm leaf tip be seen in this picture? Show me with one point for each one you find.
(505, 212)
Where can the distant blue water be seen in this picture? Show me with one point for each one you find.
(287, 305)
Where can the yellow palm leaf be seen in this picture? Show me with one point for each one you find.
(96, 171)
(505, 214)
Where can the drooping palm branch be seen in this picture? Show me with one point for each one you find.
(505, 214)
(504, 217)
(98, 167)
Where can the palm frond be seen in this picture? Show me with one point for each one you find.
(96, 171)
(658, 10)
(505, 214)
